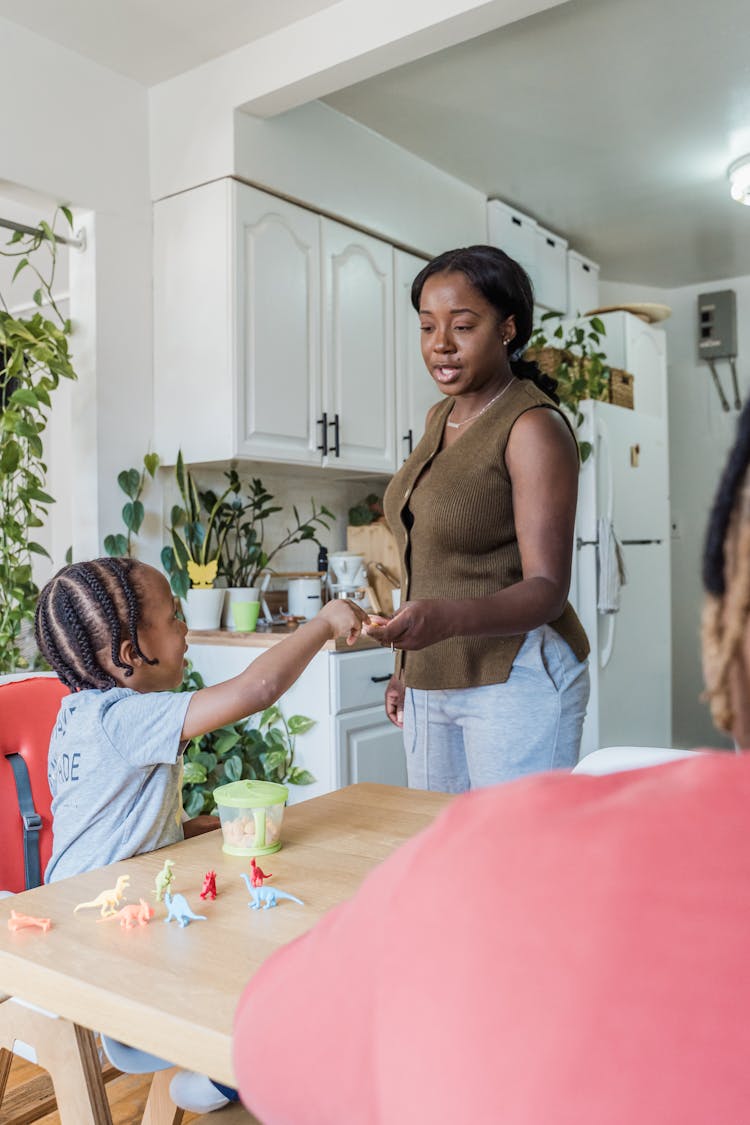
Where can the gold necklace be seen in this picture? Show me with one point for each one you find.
(456, 425)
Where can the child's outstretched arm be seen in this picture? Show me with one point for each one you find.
(273, 673)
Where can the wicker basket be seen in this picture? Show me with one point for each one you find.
(621, 388)
(548, 360)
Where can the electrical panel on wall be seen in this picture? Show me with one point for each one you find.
(717, 324)
(717, 337)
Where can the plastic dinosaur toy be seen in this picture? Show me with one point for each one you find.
(256, 875)
(163, 881)
(177, 908)
(108, 900)
(266, 896)
(23, 921)
(132, 915)
(209, 885)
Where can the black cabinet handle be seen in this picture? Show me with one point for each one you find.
(335, 448)
(380, 679)
(323, 421)
(409, 439)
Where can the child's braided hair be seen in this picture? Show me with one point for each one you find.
(85, 608)
(726, 575)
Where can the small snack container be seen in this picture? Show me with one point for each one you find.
(251, 813)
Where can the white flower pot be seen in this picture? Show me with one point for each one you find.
(203, 608)
(236, 594)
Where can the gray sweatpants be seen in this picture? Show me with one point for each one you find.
(473, 737)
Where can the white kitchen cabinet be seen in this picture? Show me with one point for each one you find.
(277, 309)
(273, 333)
(358, 360)
(236, 326)
(370, 748)
(583, 284)
(415, 388)
(513, 232)
(550, 275)
(343, 692)
(640, 348)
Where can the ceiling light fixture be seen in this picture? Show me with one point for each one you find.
(739, 180)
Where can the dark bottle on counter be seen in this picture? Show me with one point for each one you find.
(323, 570)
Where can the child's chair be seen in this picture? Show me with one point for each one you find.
(28, 708)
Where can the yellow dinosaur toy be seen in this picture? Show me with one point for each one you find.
(108, 900)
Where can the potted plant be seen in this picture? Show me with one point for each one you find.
(241, 750)
(192, 561)
(240, 523)
(34, 357)
(571, 353)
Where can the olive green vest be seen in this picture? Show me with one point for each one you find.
(451, 512)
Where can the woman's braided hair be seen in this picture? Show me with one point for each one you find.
(506, 286)
(726, 576)
(85, 608)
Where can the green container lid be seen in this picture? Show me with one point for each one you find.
(250, 794)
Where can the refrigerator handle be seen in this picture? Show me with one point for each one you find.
(606, 462)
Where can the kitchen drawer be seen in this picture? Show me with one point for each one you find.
(359, 678)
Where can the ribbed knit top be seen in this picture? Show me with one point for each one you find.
(451, 513)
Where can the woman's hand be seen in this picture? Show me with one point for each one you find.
(394, 701)
(415, 626)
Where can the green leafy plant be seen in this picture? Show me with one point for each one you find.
(34, 357)
(240, 527)
(197, 534)
(572, 354)
(367, 511)
(240, 750)
(132, 482)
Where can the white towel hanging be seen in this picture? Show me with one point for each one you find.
(612, 574)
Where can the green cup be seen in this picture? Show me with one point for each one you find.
(245, 616)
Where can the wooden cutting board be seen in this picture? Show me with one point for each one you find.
(377, 544)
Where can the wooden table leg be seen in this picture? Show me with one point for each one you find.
(160, 1109)
(68, 1053)
(6, 1061)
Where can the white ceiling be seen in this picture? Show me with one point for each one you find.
(611, 121)
(153, 40)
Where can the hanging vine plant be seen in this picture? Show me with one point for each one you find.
(34, 357)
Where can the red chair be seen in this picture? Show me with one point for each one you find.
(28, 709)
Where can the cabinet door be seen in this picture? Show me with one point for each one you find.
(369, 748)
(278, 315)
(358, 361)
(415, 389)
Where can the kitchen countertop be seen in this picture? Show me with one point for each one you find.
(236, 639)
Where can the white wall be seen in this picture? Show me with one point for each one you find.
(323, 159)
(76, 132)
(700, 434)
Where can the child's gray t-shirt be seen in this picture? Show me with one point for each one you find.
(115, 771)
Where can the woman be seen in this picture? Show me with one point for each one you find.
(491, 680)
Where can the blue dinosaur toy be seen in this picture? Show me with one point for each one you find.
(266, 896)
(177, 908)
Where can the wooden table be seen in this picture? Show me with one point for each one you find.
(173, 991)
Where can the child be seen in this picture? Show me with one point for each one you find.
(110, 630)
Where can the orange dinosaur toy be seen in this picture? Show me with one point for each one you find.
(21, 921)
(132, 915)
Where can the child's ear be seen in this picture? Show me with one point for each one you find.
(128, 655)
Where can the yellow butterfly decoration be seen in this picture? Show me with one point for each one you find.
(202, 575)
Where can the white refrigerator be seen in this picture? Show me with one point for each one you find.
(626, 479)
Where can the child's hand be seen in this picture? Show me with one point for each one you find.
(344, 618)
